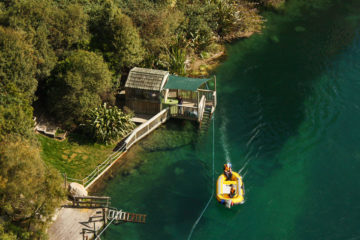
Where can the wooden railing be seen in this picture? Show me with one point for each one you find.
(184, 112)
(201, 108)
(209, 94)
(99, 170)
(147, 127)
(214, 99)
(187, 112)
(91, 202)
(137, 134)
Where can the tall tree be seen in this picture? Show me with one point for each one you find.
(17, 63)
(78, 83)
(28, 189)
(116, 36)
(15, 113)
(125, 48)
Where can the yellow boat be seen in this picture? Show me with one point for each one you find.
(223, 190)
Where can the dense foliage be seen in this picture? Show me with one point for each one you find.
(79, 81)
(107, 124)
(69, 56)
(29, 190)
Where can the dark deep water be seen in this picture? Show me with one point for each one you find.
(288, 115)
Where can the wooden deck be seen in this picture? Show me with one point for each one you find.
(141, 118)
(76, 224)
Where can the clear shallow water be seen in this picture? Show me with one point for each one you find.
(288, 116)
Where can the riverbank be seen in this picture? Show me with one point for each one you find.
(204, 65)
(200, 66)
(288, 117)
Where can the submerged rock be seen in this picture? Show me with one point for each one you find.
(179, 171)
(300, 29)
(275, 39)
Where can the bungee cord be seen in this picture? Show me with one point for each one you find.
(213, 179)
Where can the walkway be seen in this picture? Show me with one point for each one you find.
(76, 224)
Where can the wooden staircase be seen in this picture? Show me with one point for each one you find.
(206, 121)
(126, 216)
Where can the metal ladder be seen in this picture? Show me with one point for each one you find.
(126, 216)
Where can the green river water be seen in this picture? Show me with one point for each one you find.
(288, 117)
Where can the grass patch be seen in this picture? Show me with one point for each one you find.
(76, 156)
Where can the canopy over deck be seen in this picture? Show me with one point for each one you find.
(184, 83)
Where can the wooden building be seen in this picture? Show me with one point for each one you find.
(143, 90)
(149, 91)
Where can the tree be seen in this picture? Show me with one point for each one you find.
(4, 235)
(78, 83)
(107, 124)
(35, 20)
(28, 189)
(15, 113)
(125, 48)
(69, 27)
(116, 36)
(17, 63)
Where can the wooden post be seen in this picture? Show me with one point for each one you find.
(198, 99)
(166, 95)
(215, 82)
(104, 216)
(95, 233)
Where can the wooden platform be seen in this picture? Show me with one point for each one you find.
(76, 224)
(141, 118)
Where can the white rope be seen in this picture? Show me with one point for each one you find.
(98, 236)
(213, 179)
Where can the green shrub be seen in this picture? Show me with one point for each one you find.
(107, 124)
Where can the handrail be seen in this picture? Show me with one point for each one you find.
(201, 108)
(133, 138)
(214, 99)
(205, 90)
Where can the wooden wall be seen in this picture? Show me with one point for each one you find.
(143, 106)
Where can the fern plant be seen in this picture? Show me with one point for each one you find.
(107, 124)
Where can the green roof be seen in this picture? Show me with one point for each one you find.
(184, 83)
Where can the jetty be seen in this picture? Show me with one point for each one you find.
(80, 220)
(88, 217)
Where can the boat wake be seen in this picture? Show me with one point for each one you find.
(223, 139)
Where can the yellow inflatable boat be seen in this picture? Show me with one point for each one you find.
(223, 190)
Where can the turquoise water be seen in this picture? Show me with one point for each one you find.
(288, 117)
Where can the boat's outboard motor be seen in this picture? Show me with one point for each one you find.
(228, 203)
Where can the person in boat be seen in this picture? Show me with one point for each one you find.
(227, 171)
(232, 191)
